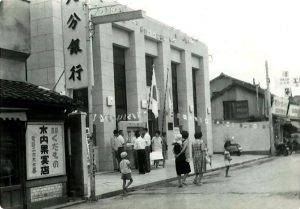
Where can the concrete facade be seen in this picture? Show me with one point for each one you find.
(138, 38)
(46, 62)
(14, 39)
(254, 137)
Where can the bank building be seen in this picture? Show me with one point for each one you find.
(77, 75)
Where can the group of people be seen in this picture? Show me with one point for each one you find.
(182, 157)
(143, 147)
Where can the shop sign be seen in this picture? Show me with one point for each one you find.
(45, 150)
(46, 192)
(117, 17)
(75, 36)
(279, 106)
(294, 111)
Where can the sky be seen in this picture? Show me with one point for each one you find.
(240, 34)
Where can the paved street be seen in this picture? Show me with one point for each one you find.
(272, 184)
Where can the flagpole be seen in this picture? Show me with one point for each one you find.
(163, 118)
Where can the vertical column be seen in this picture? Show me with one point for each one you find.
(103, 87)
(78, 177)
(162, 64)
(185, 92)
(203, 102)
(136, 87)
(46, 62)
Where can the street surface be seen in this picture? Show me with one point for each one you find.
(269, 185)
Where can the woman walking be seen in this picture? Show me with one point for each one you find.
(199, 157)
(181, 161)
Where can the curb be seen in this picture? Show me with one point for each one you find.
(144, 186)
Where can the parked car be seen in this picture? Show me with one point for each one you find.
(235, 149)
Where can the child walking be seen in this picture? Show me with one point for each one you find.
(227, 159)
(125, 171)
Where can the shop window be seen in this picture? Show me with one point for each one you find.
(236, 110)
(9, 158)
(120, 83)
(175, 94)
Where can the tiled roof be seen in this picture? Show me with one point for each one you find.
(235, 82)
(22, 93)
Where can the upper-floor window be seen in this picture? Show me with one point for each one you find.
(236, 110)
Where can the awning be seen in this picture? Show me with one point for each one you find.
(13, 116)
(296, 124)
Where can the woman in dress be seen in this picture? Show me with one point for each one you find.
(199, 156)
(157, 148)
(182, 158)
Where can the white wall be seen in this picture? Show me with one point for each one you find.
(253, 137)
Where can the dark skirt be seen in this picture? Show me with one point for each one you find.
(182, 167)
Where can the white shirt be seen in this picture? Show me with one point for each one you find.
(147, 138)
(121, 139)
(124, 166)
(117, 142)
(156, 143)
(139, 143)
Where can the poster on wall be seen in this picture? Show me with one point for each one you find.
(45, 150)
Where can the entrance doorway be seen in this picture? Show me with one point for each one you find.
(12, 164)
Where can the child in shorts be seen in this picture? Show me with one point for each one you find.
(125, 169)
(227, 159)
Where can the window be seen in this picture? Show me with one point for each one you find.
(152, 121)
(149, 69)
(236, 110)
(175, 94)
(194, 72)
(120, 82)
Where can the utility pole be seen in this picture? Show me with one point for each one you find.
(89, 34)
(272, 146)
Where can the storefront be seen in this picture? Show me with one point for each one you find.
(280, 118)
(33, 149)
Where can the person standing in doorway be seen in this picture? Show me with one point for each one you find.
(139, 146)
(147, 139)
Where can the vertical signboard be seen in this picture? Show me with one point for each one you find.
(45, 150)
(74, 34)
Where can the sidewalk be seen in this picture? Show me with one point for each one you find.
(110, 184)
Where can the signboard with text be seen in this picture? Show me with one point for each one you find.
(294, 111)
(75, 36)
(279, 106)
(45, 150)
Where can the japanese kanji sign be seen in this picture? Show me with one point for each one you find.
(75, 36)
(45, 150)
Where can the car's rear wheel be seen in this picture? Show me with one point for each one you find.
(239, 153)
